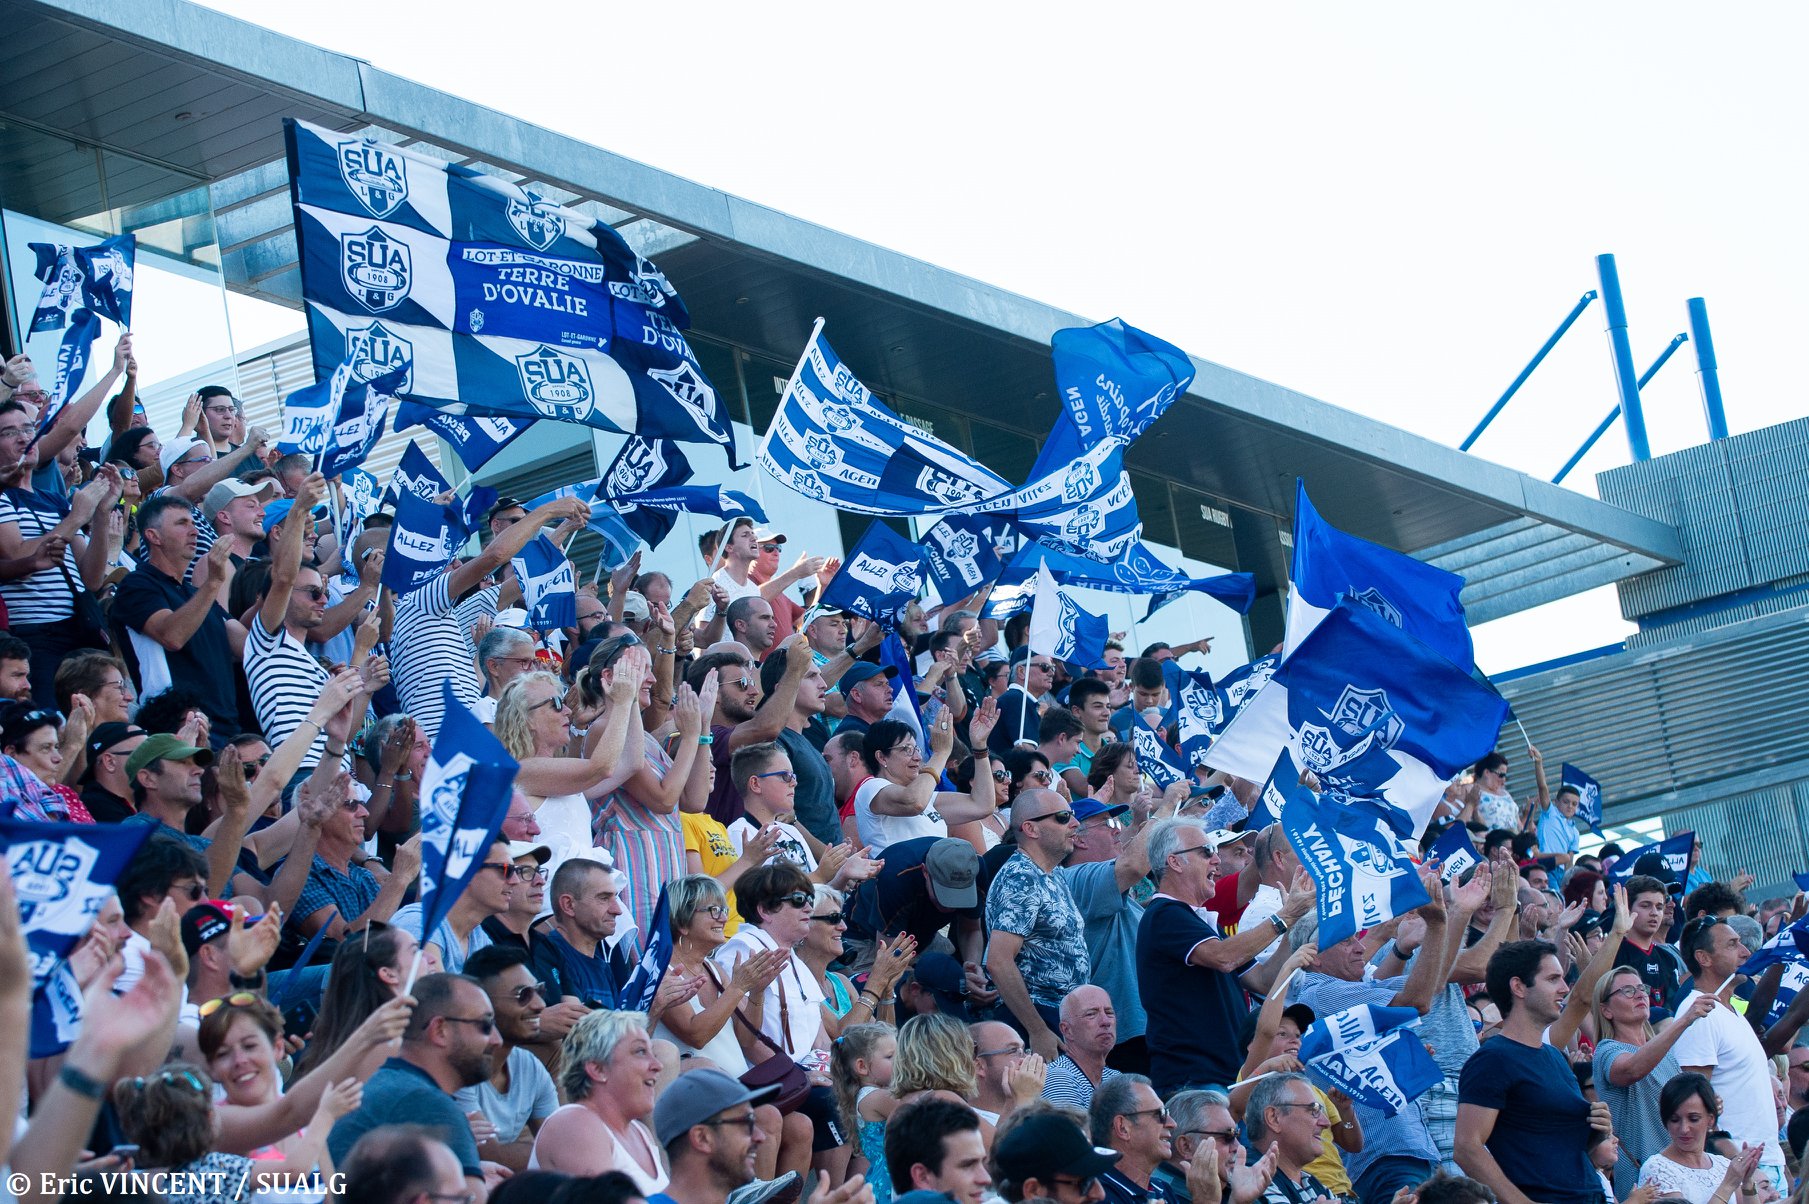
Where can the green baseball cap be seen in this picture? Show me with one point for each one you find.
(165, 747)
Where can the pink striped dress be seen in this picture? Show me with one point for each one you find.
(649, 848)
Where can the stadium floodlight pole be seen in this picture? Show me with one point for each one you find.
(1601, 429)
(1708, 372)
(1576, 311)
(1620, 354)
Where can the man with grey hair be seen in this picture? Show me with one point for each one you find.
(1037, 952)
(1089, 1029)
(1285, 1114)
(1205, 1128)
(1127, 1116)
(504, 654)
(1190, 976)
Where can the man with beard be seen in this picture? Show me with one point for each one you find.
(511, 1104)
(451, 1043)
(705, 1121)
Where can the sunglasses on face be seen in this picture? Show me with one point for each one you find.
(317, 593)
(832, 919)
(1063, 817)
(557, 702)
(196, 891)
(799, 900)
(744, 682)
(1040, 775)
(484, 1024)
(501, 867)
(538, 990)
(1001, 775)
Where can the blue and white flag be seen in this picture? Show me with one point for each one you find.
(363, 498)
(832, 441)
(656, 958)
(421, 543)
(1371, 711)
(1014, 590)
(1364, 873)
(880, 576)
(1589, 791)
(1197, 710)
(1674, 849)
(642, 465)
(1062, 629)
(651, 514)
(1141, 571)
(619, 539)
(1455, 851)
(82, 285)
(1794, 979)
(1791, 945)
(549, 584)
(347, 416)
(1373, 1054)
(62, 874)
(416, 475)
(1115, 380)
(1330, 565)
(1155, 759)
(474, 438)
(465, 792)
(501, 301)
(962, 555)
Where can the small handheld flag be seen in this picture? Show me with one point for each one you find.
(1059, 627)
(1372, 1054)
(644, 982)
(880, 576)
(1456, 853)
(1155, 759)
(1674, 849)
(1589, 791)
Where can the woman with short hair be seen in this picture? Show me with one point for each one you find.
(609, 1072)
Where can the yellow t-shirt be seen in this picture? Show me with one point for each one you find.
(706, 837)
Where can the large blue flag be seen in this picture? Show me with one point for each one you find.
(1455, 851)
(1138, 571)
(656, 958)
(464, 797)
(641, 465)
(474, 438)
(1674, 849)
(499, 300)
(62, 874)
(1371, 711)
(549, 584)
(1115, 380)
(421, 543)
(1364, 874)
(1372, 1054)
(880, 576)
(1155, 759)
(652, 514)
(82, 285)
(961, 553)
(1330, 565)
(1059, 627)
(1589, 792)
(831, 440)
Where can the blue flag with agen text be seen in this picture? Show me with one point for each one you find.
(474, 438)
(1364, 874)
(1455, 851)
(879, 578)
(1373, 1054)
(465, 792)
(1674, 849)
(497, 300)
(1116, 380)
(62, 875)
(549, 585)
(1589, 795)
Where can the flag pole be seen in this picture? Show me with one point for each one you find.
(796, 371)
(414, 968)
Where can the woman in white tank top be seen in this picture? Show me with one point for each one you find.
(611, 1075)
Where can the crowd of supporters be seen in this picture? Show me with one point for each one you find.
(934, 938)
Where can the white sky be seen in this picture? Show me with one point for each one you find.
(1386, 207)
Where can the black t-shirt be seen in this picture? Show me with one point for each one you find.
(1541, 1133)
(105, 806)
(204, 666)
(898, 898)
(1660, 968)
(1194, 1012)
(1017, 711)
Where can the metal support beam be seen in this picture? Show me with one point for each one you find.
(1708, 372)
(1576, 312)
(1602, 427)
(1620, 353)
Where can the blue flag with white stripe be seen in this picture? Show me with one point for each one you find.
(1371, 711)
(1364, 874)
(1141, 571)
(497, 299)
(1674, 849)
(1331, 565)
(416, 475)
(1455, 851)
(879, 577)
(620, 541)
(1373, 1054)
(1115, 380)
(1791, 944)
(656, 958)
(421, 542)
(1197, 710)
(549, 584)
(352, 417)
(961, 554)
(82, 285)
(465, 790)
(1155, 759)
(1062, 628)
(832, 441)
(1589, 792)
(474, 438)
(62, 875)
(641, 465)
(652, 513)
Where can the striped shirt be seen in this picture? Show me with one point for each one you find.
(285, 682)
(431, 643)
(648, 847)
(45, 596)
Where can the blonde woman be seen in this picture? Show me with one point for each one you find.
(1632, 1064)
(935, 1060)
(608, 1069)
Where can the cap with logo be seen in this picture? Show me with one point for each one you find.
(230, 491)
(1043, 1146)
(697, 1097)
(203, 922)
(165, 747)
(104, 737)
(953, 868)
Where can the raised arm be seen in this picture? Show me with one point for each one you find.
(1227, 954)
(503, 548)
(195, 486)
(286, 557)
(75, 416)
(1428, 975)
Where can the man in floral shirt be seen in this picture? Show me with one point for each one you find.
(1037, 952)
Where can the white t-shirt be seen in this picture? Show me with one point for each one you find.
(795, 981)
(1723, 1041)
(1265, 903)
(878, 831)
(735, 589)
(791, 847)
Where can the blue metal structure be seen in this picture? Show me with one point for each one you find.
(1620, 352)
(1708, 372)
(1576, 312)
(1602, 427)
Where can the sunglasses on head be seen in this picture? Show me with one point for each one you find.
(238, 999)
(171, 1078)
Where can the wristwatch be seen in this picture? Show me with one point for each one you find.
(1281, 925)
